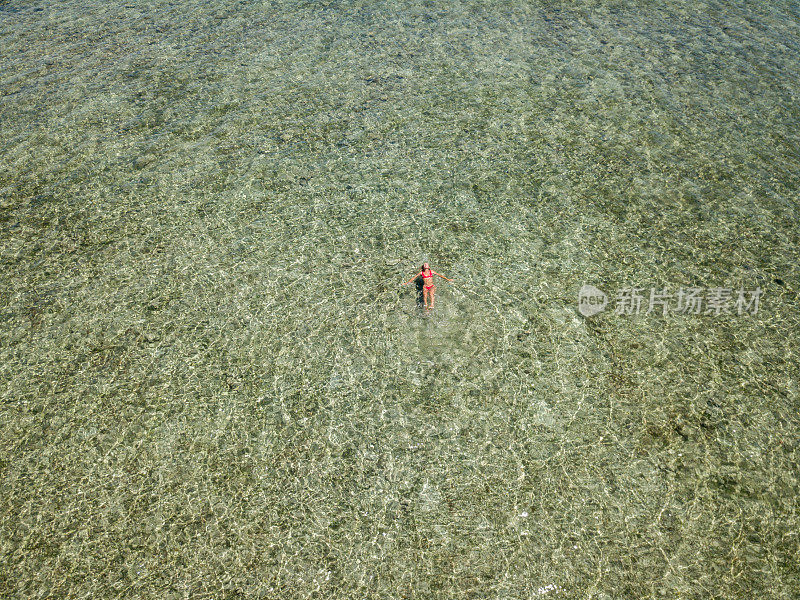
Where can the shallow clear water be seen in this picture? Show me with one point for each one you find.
(215, 385)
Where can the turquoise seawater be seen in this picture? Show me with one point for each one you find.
(213, 383)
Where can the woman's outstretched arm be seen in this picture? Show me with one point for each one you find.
(413, 278)
(440, 275)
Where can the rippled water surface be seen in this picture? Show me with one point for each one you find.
(214, 385)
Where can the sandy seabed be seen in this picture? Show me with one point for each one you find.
(214, 385)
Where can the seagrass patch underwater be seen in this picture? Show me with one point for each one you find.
(213, 383)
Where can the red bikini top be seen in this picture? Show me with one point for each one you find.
(426, 276)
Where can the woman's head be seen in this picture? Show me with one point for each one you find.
(425, 266)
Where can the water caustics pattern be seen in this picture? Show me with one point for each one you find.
(214, 385)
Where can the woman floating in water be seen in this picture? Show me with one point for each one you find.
(428, 287)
